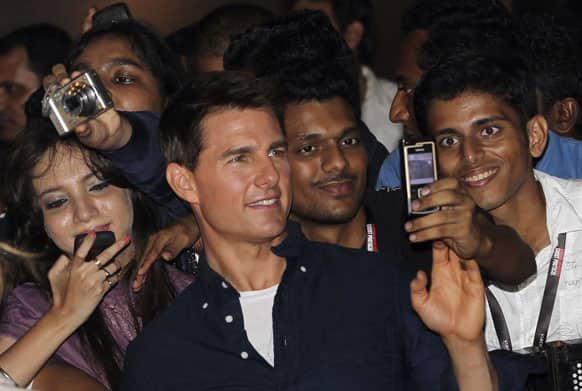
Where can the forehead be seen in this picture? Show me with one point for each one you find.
(232, 128)
(466, 109)
(327, 117)
(53, 169)
(409, 47)
(14, 64)
(103, 49)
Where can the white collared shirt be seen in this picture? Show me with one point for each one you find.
(521, 308)
(376, 109)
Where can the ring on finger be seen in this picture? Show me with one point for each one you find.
(107, 274)
(108, 281)
(98, 263)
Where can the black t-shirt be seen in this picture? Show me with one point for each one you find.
(386, 209)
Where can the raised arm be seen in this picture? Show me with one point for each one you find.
(454, 307)
(498, 249)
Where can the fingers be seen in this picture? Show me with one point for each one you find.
(107, 255)
(61, 75)
(418, 291)
(449, 183)
(59, 267)
(154, 248)
(473, 271)
(442, 198)
(58, 77)
(88, 21)
(443, 256)
(84, 248)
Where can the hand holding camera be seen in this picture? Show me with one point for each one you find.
(80, 103)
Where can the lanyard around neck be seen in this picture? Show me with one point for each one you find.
(546, 309)
(371, 242)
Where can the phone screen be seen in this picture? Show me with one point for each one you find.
(420, 170)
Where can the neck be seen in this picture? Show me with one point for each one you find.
(351, 234)
(526, 214)
(247, 266)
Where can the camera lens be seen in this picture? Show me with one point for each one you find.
(81, 102)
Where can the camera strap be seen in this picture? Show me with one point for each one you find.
(547, 306)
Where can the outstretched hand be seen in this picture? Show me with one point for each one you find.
(167, 244)
(454, 307)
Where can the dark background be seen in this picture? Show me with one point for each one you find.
(169, 15)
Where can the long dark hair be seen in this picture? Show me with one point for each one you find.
(38, 139)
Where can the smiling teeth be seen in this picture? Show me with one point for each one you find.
(479, 177)
(265, 202)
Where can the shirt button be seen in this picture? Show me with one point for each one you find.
(244, 355)
(204, 306)
(224, 285)
(228, 318)
(303, 269)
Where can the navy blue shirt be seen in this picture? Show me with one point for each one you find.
(143, 165)
(341, 318)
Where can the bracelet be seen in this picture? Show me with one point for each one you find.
(7, 376)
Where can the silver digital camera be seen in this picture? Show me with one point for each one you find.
(83, 98)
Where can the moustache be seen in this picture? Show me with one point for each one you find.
(335, 178)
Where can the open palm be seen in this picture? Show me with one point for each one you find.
(454, 307)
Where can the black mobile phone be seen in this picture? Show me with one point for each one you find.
(113, 13)
(420, 169)
(103, 239)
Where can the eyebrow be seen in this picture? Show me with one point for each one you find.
(278, 144)
(317, 136)
(477, 123)
(248, 149)
(486, 120)
(237, 151)
(57, 188)
(117, 61)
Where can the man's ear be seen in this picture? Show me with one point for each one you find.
(563, 116)
(353, 35)
(537, 133)
(182, 182)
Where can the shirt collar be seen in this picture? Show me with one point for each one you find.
(290, 249)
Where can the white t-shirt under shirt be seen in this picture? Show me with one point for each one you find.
(521, 308)
(257, 310)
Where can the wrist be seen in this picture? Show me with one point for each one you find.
(470, 351)
(63, 320)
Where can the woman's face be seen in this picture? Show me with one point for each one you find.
(74, 201)
(130, 83)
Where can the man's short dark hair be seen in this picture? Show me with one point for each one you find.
(304, 53)
(345, 12)
(552, 51)
(182, 123)
(429, 14)
(503, 78)
(45, 46)
(211, 35)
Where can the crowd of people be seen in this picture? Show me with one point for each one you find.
(249, 171)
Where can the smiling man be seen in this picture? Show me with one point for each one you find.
(478, 111)
(268, 307)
